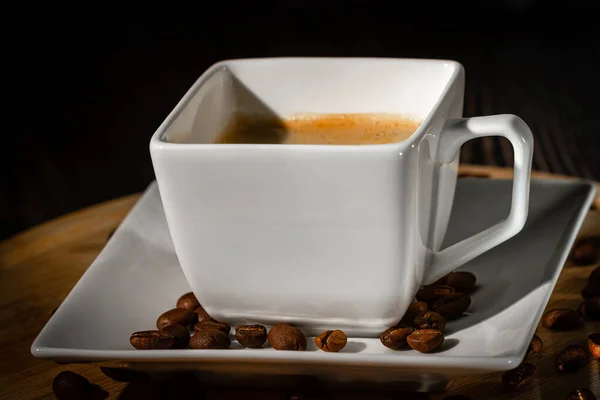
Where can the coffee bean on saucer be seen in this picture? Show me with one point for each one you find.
(590, 309)
(395, 337)
(586, 250)
(590, 290)
(516, 378)
(430, 294)
(331, 341)
(414, 310)
(571, 359)
(536, 345)
(451, 306)
(180, 333)
(226, 329)
(461, 281)
(581, 394)
(68, 385)
(562, 319)
(188, 301)
(594, 344)
(286, 337)
(152, 340)
(252, 336)
(430, 320)
(595, 276)
(425, 340)
(202, 314)
(179, 316)
(209, 339)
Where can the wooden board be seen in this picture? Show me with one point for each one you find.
(39, 267)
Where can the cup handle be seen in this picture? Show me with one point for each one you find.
(455, 133)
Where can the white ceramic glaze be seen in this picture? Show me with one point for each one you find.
(137, 276)
(320, 235)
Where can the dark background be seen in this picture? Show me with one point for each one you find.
(95, 81)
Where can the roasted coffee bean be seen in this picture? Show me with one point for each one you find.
(581, 394)
(594, 344)
(152, 340)
(202, 315)
(586, 251)
(226, 329)
(68, 385)
(562, 319)
(425, 340)
(395, 337)
(331, 341)
(595, 276)
(209, 339)
(286, 337)
(430, 294)
(188, 301)
(572, 358)
(590, 290)
(430, 320)
(252, 336)
(122, 374)
(451, 306)
(414, 310)
(179, 316)
(590, 309)
(461, 281)
(515, 378)
(457, 397)
(180, 333)
(536, 345)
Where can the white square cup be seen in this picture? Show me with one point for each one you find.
(323, 236)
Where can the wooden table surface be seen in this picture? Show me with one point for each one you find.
(40, 266)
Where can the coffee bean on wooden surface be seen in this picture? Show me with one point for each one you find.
(452, 306)
(430, 294)
(331, 341)
(188, 301)
(180, 333)
(209, 339)
(122, 374)
(179, 316)
(581, 394)
(571, 359)
(536, 345)
(430, 320)
(152, 340)
(252, 336)
(414, 310)
(515, 378)
(590, 309)
(202, 315)
(461, 281)
(586, 250)
(590, 290)
(562, 319)
(395, 337)
(226, 329)
(425, 340)
(286, 337)
(68, 385)
(594, 344)
(595, 276)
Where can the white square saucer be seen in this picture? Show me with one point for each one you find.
(137, 276)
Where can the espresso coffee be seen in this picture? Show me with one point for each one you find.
(334, 129)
